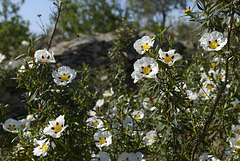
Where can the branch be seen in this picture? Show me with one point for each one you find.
(201, 137)
(55, 26)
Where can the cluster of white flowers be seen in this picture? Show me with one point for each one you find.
(103, 156)
(208, 157)
(12, 125)
(54, 129)
(233, 151)
(147, 67)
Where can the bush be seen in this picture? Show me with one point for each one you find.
(176, 110)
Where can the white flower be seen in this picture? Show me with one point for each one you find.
(232, 153)
(99, 102)
(213, 41)
(44, 56)
(236, 129)
(11, 125)
(103, 138)
(25, 43)
(145, 67)
(220, 75)
(127, 122)
(144, 44)
(56, 127)
(101, 156)
(150, 137)
(10, 65)
(42, 147)
(94, 122)
(137, 115)
(147, 104)
(2, 57)
(235, 142)
(92, 113)
(31, 117)
(169, 57)
(191, 95)
(22, 69)
(236, 103)
(206, 156)
(108, 93)
(204, 93)
(27, 133)
(64, 75)
(140, 156)
(24, 124)
(127, 157)
(210, 85)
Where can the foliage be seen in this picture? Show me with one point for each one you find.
(91, 16)
(13, 29)
(177, 110)
(151, 12)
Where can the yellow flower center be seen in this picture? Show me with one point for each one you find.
(168, 59)
(127, 159)
(44, 147)
(108, 93)
(11, 127)
(146, 70)
(137, 118)
(237, 132)
(95, 124)
(64, 77)
(145, 47)
(58, 128)
(203, 95)
(236, 152)
(23, 126)
(220, 76)
(187, 10)
(208, 78)
(237, 106)
(102, 140)
(9, 67)
(213, 45)
(149, 139)
(209, 86)
(238, 143)
(213, 64)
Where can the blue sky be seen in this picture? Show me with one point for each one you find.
(31, 8)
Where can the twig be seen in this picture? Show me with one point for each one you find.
(201, 137)
(55, 26)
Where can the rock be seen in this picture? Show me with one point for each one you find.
(106, 37)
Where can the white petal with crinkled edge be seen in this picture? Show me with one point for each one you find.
(44, 56)
(63, 70)
(144, 62)
(140, 42)
(170, 53)
(11, 122)
(213, 36)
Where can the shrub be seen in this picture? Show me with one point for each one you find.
(176, 110)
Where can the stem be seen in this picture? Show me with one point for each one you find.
(201, 137)
(55, 26)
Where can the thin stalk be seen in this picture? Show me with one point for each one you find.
(55, 26)
(201, 137)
